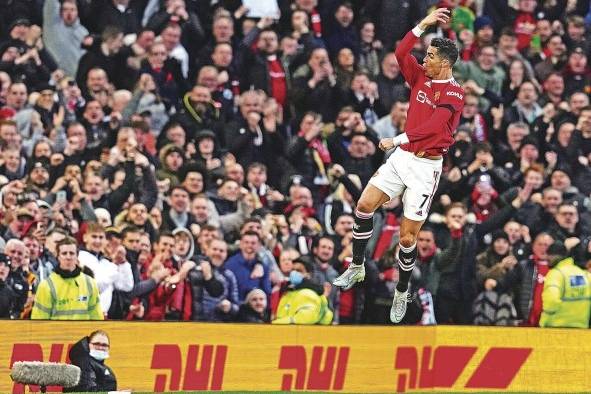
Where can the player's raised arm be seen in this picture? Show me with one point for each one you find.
(408, 63)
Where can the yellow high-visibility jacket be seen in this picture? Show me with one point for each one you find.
(61, 298)
(303, 307)
(566, 298)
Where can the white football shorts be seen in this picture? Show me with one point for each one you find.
(414, 176)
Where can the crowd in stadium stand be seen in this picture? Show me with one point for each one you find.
(191, 161)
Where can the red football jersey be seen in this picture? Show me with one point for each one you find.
(435, 105)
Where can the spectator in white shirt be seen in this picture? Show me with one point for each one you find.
(108, 275)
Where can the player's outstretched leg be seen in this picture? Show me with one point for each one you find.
(370, 200)
(407, 254)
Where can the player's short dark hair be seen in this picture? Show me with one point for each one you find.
(446, 49)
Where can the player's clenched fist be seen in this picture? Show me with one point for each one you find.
(386, 144)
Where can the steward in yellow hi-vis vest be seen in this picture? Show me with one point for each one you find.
(68, 293)
(301, 304)
(566, 298)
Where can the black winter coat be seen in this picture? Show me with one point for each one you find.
(94, 374)
(197, 282)
(7, 298)
(248, 315)
(17, 282)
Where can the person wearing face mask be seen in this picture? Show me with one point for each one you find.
(89, 354)
(302, 302)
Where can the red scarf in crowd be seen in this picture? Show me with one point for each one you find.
(542, 269)
(316, 23)
(318, 147)
(391, 227)
(278, 81)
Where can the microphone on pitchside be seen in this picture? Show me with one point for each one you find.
(45, 374)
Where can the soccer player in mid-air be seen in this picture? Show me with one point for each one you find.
(436, 103)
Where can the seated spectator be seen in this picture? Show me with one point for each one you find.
(286, 259)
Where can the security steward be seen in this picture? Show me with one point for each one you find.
(68, 293)
(566, 297)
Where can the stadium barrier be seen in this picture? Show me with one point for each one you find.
(235, 357)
